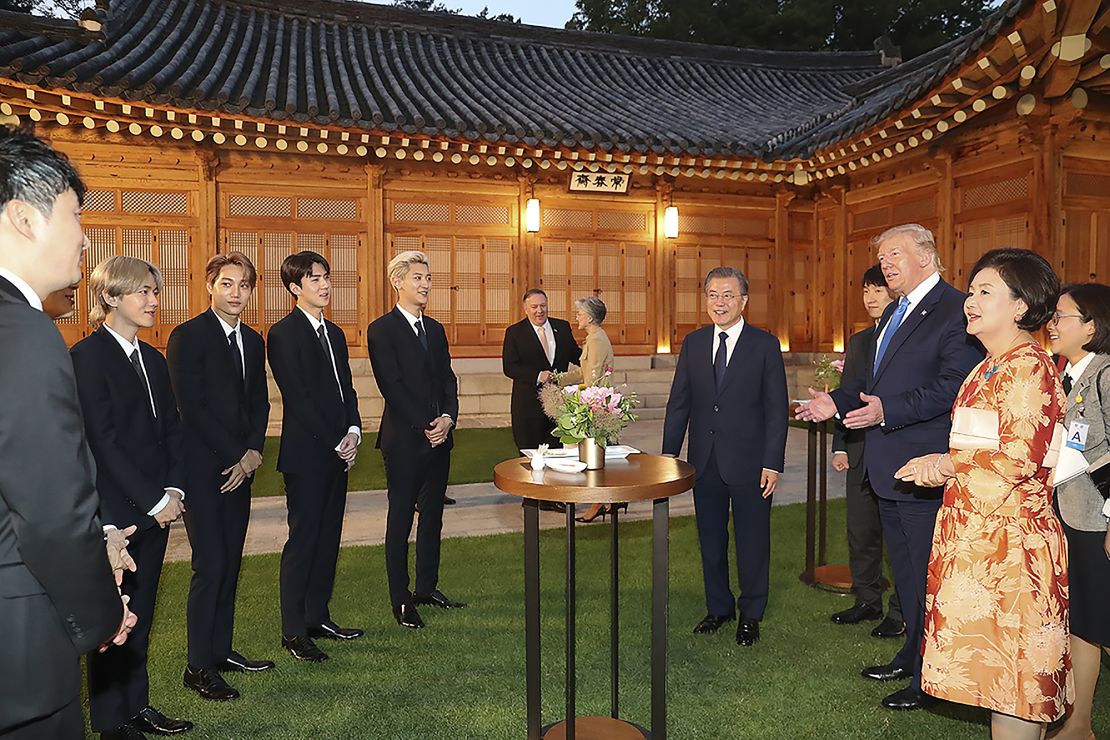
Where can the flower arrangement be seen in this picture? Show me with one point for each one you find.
(599, 411)
(828, 372)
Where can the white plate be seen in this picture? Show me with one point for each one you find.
(612, 452)
(563, 465)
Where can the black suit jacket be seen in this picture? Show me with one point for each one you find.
(921, 372)
(314, 417)
(222, 418)
(745, 418)
(418, 386)
(57, 596)
(850, 441)
(523, 359)
(137, 455)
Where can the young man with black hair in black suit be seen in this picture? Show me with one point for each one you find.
(320, 434)
(218, 369)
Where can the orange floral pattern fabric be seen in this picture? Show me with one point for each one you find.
(996, 602)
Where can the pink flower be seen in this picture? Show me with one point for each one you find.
(839, 365)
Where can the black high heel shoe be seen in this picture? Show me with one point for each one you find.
(603, 510)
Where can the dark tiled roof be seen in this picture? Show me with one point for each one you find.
(386, 69)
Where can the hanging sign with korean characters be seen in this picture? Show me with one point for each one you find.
(599, 182)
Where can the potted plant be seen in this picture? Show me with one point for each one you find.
(591, 416)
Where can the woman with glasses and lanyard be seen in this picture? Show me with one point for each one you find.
(1080, 333)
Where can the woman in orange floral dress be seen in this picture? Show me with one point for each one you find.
(996, 605)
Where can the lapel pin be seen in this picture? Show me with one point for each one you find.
(925, 311)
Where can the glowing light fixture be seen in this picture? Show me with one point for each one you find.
(670, 222)
(532, 212)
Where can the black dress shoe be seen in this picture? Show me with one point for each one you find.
(236, 662)
(747, 632)
(908, 698)
(885, 673)
(448, 501)
(151, 720)
(125, 731)
(858, 613)
(407, 616)
(711, 623)
(889, 628)
(303, 648)
(437, 598)
(332, 631)
(209, 684)
(558, 506)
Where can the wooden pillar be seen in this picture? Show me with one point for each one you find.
(375, 294)
(946, 229)
(207, 243)
(663, 290)
(781, 282)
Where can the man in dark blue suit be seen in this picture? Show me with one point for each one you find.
(921, 353)
(730, 390)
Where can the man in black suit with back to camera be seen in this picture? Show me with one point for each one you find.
(218, 369)
(320, 434)
(412, 367)
(729, 388)
(534, 347)
(134, 432)
(57, 595)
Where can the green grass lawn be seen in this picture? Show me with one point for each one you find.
(475, 453)
(463, 676)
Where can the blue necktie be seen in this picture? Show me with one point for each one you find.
(891, 327)
(720, 360)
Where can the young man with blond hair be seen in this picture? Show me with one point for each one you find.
(218, 369)
(412, 367)
(135, 434)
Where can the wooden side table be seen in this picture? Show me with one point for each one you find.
(638, 478)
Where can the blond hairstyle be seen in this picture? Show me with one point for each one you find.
(118, 276)
(401, 263)
(921, 237)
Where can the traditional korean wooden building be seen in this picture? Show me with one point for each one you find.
(359, 130)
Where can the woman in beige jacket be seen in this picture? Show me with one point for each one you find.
(597, 350)
(597, 359)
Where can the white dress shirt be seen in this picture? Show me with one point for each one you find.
(22, 286)
(733, 334)
(228, 331)
(129, 348)
(1075, 372)
(316, 324)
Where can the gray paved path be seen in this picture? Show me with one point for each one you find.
(482, 509)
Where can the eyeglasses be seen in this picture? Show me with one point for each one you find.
(1057, 316)
(726, 297)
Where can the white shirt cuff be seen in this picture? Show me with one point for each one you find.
(1106, 509)
(163, 503)
(108, 528)
(839, 452)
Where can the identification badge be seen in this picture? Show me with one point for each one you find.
(1077, 435)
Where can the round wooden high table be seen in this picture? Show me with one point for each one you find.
(637, 478)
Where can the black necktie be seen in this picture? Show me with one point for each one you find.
(421, 335)
(326, 345)
(720, 361)
(135, 363)
(1066, 382)
(236, 358)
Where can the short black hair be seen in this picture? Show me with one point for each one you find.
(296, 267)
(874, 276)
(531, 292)
(1093, 300)
(34, 172)
(1029, 277)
